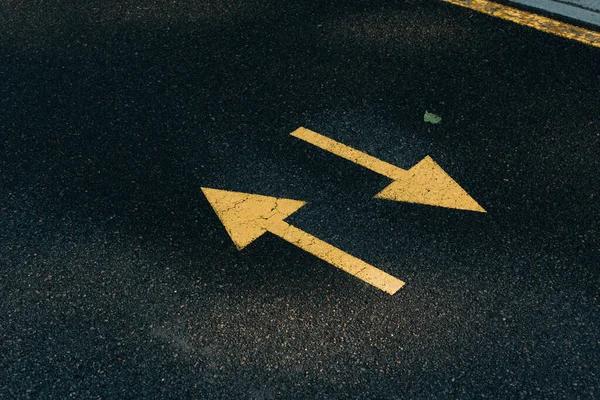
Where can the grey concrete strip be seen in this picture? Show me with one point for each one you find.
(582, 10)
(589, 4)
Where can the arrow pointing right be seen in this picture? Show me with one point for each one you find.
(425, 183)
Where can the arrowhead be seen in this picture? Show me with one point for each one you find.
(427, 183)
(247, 216)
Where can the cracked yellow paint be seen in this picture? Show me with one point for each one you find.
(425, 183)
(247, 216)
(532, 20)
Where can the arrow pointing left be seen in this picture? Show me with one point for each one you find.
(247, 216)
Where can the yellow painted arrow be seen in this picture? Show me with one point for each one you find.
(248, 216)
(425, 183)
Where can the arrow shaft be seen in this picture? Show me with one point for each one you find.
(356, 156)
(336, 257)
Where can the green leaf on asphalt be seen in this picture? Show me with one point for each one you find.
(431, 118)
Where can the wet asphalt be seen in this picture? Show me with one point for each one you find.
(118, 281)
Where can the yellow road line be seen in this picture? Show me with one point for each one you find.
(532, 20)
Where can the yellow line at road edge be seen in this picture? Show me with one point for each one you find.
(532, 20)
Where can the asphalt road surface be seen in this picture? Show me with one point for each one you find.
(118, 280)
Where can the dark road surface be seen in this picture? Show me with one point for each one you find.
(118, 281)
